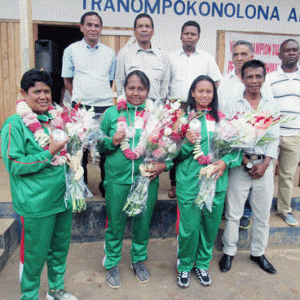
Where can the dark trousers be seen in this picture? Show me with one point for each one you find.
(85, 158)
(172, 173)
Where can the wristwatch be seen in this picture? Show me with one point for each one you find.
(249, 166)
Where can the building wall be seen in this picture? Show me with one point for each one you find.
(215, 17)
(9, 68)
(271, 16)
(10, 73)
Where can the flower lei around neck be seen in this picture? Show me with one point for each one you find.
(195, 125)
(139, 150)
(31, 121)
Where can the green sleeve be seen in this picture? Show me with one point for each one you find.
(186, 150)
(106, 146)
(233, 159)
(169, 164)
(16, 160)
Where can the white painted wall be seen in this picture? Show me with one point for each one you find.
(168, 25)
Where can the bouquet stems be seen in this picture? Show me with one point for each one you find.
(137, 197)
(207, 189)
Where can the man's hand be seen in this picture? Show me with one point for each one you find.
(258, 170)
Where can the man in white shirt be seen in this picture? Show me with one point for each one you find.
(285, 84)
(189, 62)
(88, 71)
(231, 87)
(255, 175)
(186, 64)
(144, 56)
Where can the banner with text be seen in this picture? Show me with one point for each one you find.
(265, 48)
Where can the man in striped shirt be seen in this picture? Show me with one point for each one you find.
(285, 84)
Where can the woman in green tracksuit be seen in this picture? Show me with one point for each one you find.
(121, 172)
(38, 187)
(198, 227)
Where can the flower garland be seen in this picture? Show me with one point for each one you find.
(31, 121)
(202, 159)
(122, 126)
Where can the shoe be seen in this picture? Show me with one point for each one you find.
(59, 295)
(102, 189)
(203, 276)
(289, 219)
(140, 272)
(183, 279)
(225, 262)
(263, 263)
(172, 192)
(245, 223)
(113, 277)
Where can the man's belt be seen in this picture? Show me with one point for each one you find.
(254, 157)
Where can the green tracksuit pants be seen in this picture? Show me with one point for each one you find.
(44, 239)
(116, 195)
(197, 232)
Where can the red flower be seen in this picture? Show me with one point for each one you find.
(121, 119)
(35, 126)
(76, 106)
(184, 129)
(176, 137)
(122, 105)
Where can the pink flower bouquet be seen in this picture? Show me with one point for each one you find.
(165, 131)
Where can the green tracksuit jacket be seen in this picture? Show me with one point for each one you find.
(198, 228)
(120, 173)
(37, 187)
(37, 190)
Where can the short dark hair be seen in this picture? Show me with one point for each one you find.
(143, 77)
(243, 42)
(143, 15)
(254, 63)
(90, 13)
(191, 23)
(191, 103)
(32, 76)
(285, 42)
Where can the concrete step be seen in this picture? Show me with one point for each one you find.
(280, 234)
(9, 238)
(89, 226)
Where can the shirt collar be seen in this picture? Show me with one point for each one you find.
(182, 52)
(280, 70)
(46, 117)
(262, 100)
(138, 48)
(89, 47)
(140, 107)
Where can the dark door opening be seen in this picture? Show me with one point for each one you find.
(61, 37)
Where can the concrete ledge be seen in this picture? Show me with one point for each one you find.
(9, 239)
(89, 225)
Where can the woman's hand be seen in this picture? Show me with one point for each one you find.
(54, 146)
(156, 169)
(191, 136)
(118, 137)
(219, 168)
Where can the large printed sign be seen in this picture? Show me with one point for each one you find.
(265, 48)
(258, 11)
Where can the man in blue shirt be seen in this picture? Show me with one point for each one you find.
(88, 71)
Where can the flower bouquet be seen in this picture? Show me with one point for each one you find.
(83, 130)
(164, 132)
(244, 130)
